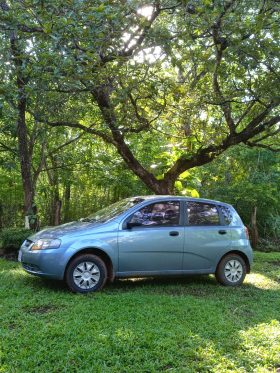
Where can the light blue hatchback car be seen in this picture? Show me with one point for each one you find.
(143, 236)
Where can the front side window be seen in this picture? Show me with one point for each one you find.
(158, 214)
(200, 213)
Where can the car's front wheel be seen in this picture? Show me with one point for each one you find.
(86, 273)
(231, 270)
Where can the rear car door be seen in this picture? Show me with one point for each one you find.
(206, 236)
(156, 244)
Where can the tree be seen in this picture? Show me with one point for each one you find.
(203, 75)
(249, 179)
(16, 76)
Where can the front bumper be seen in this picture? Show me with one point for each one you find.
(49, 263)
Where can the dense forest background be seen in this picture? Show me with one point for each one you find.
(102, 101)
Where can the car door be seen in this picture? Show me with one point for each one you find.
(155, 243)
(205, 237)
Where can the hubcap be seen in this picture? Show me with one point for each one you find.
(86, 275)
(233, 270)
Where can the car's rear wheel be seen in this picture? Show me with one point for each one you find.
(231, 270)
(86, 273)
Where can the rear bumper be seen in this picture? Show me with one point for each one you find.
(250, 256)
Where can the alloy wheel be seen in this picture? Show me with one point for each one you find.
(86, 275)
(233, 270)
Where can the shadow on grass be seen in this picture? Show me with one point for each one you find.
(51, 285)
(265, 277)
(196, 286)
(160, 285)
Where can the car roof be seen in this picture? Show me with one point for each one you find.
(181, 198)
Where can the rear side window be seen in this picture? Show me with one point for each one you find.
(200, 213)
(226, 214)
(230, 216)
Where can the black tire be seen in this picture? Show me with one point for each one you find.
(89, 271)
(230, 264)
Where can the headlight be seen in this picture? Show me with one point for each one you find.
(46, 243)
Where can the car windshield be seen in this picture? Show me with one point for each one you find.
(112, 211)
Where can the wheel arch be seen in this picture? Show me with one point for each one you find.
(240, 253)
(101, 254)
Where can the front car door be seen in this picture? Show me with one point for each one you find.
(206, 237)
(156, 244)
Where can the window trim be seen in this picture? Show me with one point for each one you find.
(181, 216)
(203, 225)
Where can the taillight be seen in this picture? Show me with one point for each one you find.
(247, 232)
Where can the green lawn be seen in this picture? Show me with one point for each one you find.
(174, 325)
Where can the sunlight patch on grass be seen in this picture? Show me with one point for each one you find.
(212, 360)
(18, 272)
(256, 349)
(261, 345)
(261, 281)
(124, 334)
(14, 274)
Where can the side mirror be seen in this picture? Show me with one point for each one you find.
(130, 225)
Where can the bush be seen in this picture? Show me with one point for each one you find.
(273, 226)
(12, 238)
(268, 244)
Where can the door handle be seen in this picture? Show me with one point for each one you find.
(222, 231)
(173, 233)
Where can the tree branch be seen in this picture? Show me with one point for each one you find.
(89, 129)
(144, 121)
(220, 45)
(245, 112)
(8, 148)
(54, 151)
(207, 154)
(255, 144)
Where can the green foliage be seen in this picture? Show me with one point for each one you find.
(12, 238)
(269, 244)
(145, 325)
(246, 178)
(273, 225)
(164, 86)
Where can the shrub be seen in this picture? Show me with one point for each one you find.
(12, 238)
(273, 225)
(268, 244)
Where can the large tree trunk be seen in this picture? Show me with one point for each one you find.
(55, 206)
(57, 212)
(23, 150)
(67, 197)
(254, 229)
(56, 203)
(165, 186)
(25, 164)
(1, 215)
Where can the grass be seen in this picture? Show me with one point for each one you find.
(152, 325)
